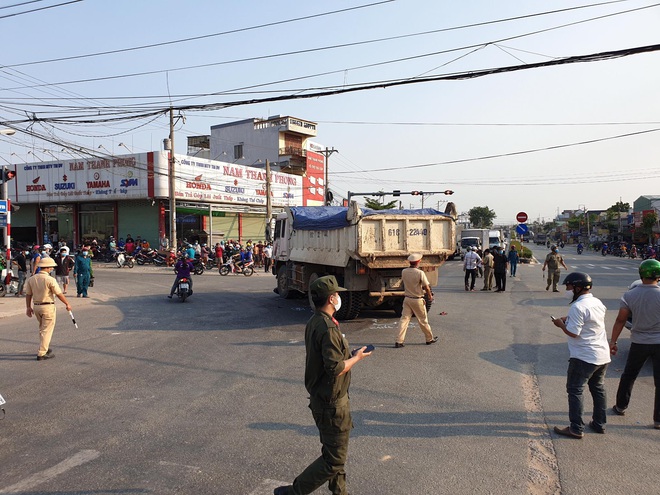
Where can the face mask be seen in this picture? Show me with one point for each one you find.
(569, 295)
(44, 253)
(338, 305)
(84, 253)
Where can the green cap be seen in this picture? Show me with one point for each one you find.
(324, 286)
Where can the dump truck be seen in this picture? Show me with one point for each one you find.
(364, 249)
(474, 237)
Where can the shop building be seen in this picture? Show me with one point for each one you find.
(129, 194)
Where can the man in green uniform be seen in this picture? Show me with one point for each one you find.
(552, 261)
(327, 378)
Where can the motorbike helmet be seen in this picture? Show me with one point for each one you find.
(553, 248)
(649, 269)
(578, 279)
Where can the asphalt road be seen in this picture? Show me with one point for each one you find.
(151, 396)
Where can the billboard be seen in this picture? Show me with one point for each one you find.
(145, 175)
(90, 179)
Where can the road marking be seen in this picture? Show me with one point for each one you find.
(38, 478)
(605, 267)
(542, 467)
(623, 268)
(185, 466)
(267, 486)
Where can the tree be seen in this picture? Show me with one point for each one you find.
(613, 215)
(481, 217)
(377, 204)
(649, 221)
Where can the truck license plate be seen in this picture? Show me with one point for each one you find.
(394, 283)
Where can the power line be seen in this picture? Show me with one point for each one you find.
(206, 36)
(333, 47)
(513, 153)
(36, 10)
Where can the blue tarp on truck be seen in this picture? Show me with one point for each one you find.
(334, 217)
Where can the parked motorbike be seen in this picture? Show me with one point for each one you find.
(198, 266)
(123, 259)
(230, 266)
(183, 289)
(8, 283)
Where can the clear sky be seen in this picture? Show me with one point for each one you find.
(395, 138)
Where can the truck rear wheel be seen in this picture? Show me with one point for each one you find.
(283, 284)
(351, 304)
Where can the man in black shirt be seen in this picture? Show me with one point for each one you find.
(21, 262)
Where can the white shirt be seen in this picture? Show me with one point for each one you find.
(471, 260)
(586, 319)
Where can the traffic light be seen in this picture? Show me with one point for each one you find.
(396, 192)
(449, 192)
(7, 174)
(417, 193)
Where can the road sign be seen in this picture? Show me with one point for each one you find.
(3, 220)
(3, 206)
(521, 217)
(522, 229)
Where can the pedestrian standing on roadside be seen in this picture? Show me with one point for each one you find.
(41, 290)
(589, 354)
(415, 285)
(21, 262)
(82, 270)
(64, 266)
(328, 366)
(643, 304)
(268, 256)
(553, 261)
(501, 263)
(513, 260)
(471, 262)
(488, 262)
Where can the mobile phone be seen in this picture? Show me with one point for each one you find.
(553, 318)
(369, 348)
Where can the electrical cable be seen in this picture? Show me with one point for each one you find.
(332, 47)
(206, 36)
(39, 9)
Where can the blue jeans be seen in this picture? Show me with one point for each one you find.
(637, 356)
(581, 373)
(513, 267)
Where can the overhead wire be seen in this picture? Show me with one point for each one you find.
(344, 45)
(6, 16)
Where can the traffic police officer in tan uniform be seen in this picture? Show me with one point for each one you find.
(416, 285)
(327, 378)
(552, 261)
(41, 290)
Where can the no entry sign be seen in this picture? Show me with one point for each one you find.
(521, 217)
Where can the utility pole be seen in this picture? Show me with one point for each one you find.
(327, 152)
(172, 183)
(269, 205)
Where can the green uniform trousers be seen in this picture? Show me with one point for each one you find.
(334, 424)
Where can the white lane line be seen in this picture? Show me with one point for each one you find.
(267, 487)
(622, 268)
(38, 478)
(605, 267)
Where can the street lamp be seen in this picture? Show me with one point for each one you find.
(124, 146)
(101, 147)
(19, 156)
(7, 132)
(34, 155)
(48, 151)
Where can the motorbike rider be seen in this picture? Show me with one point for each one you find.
(246, 257)
(190, 251)
(183, 268)
(580, 247)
